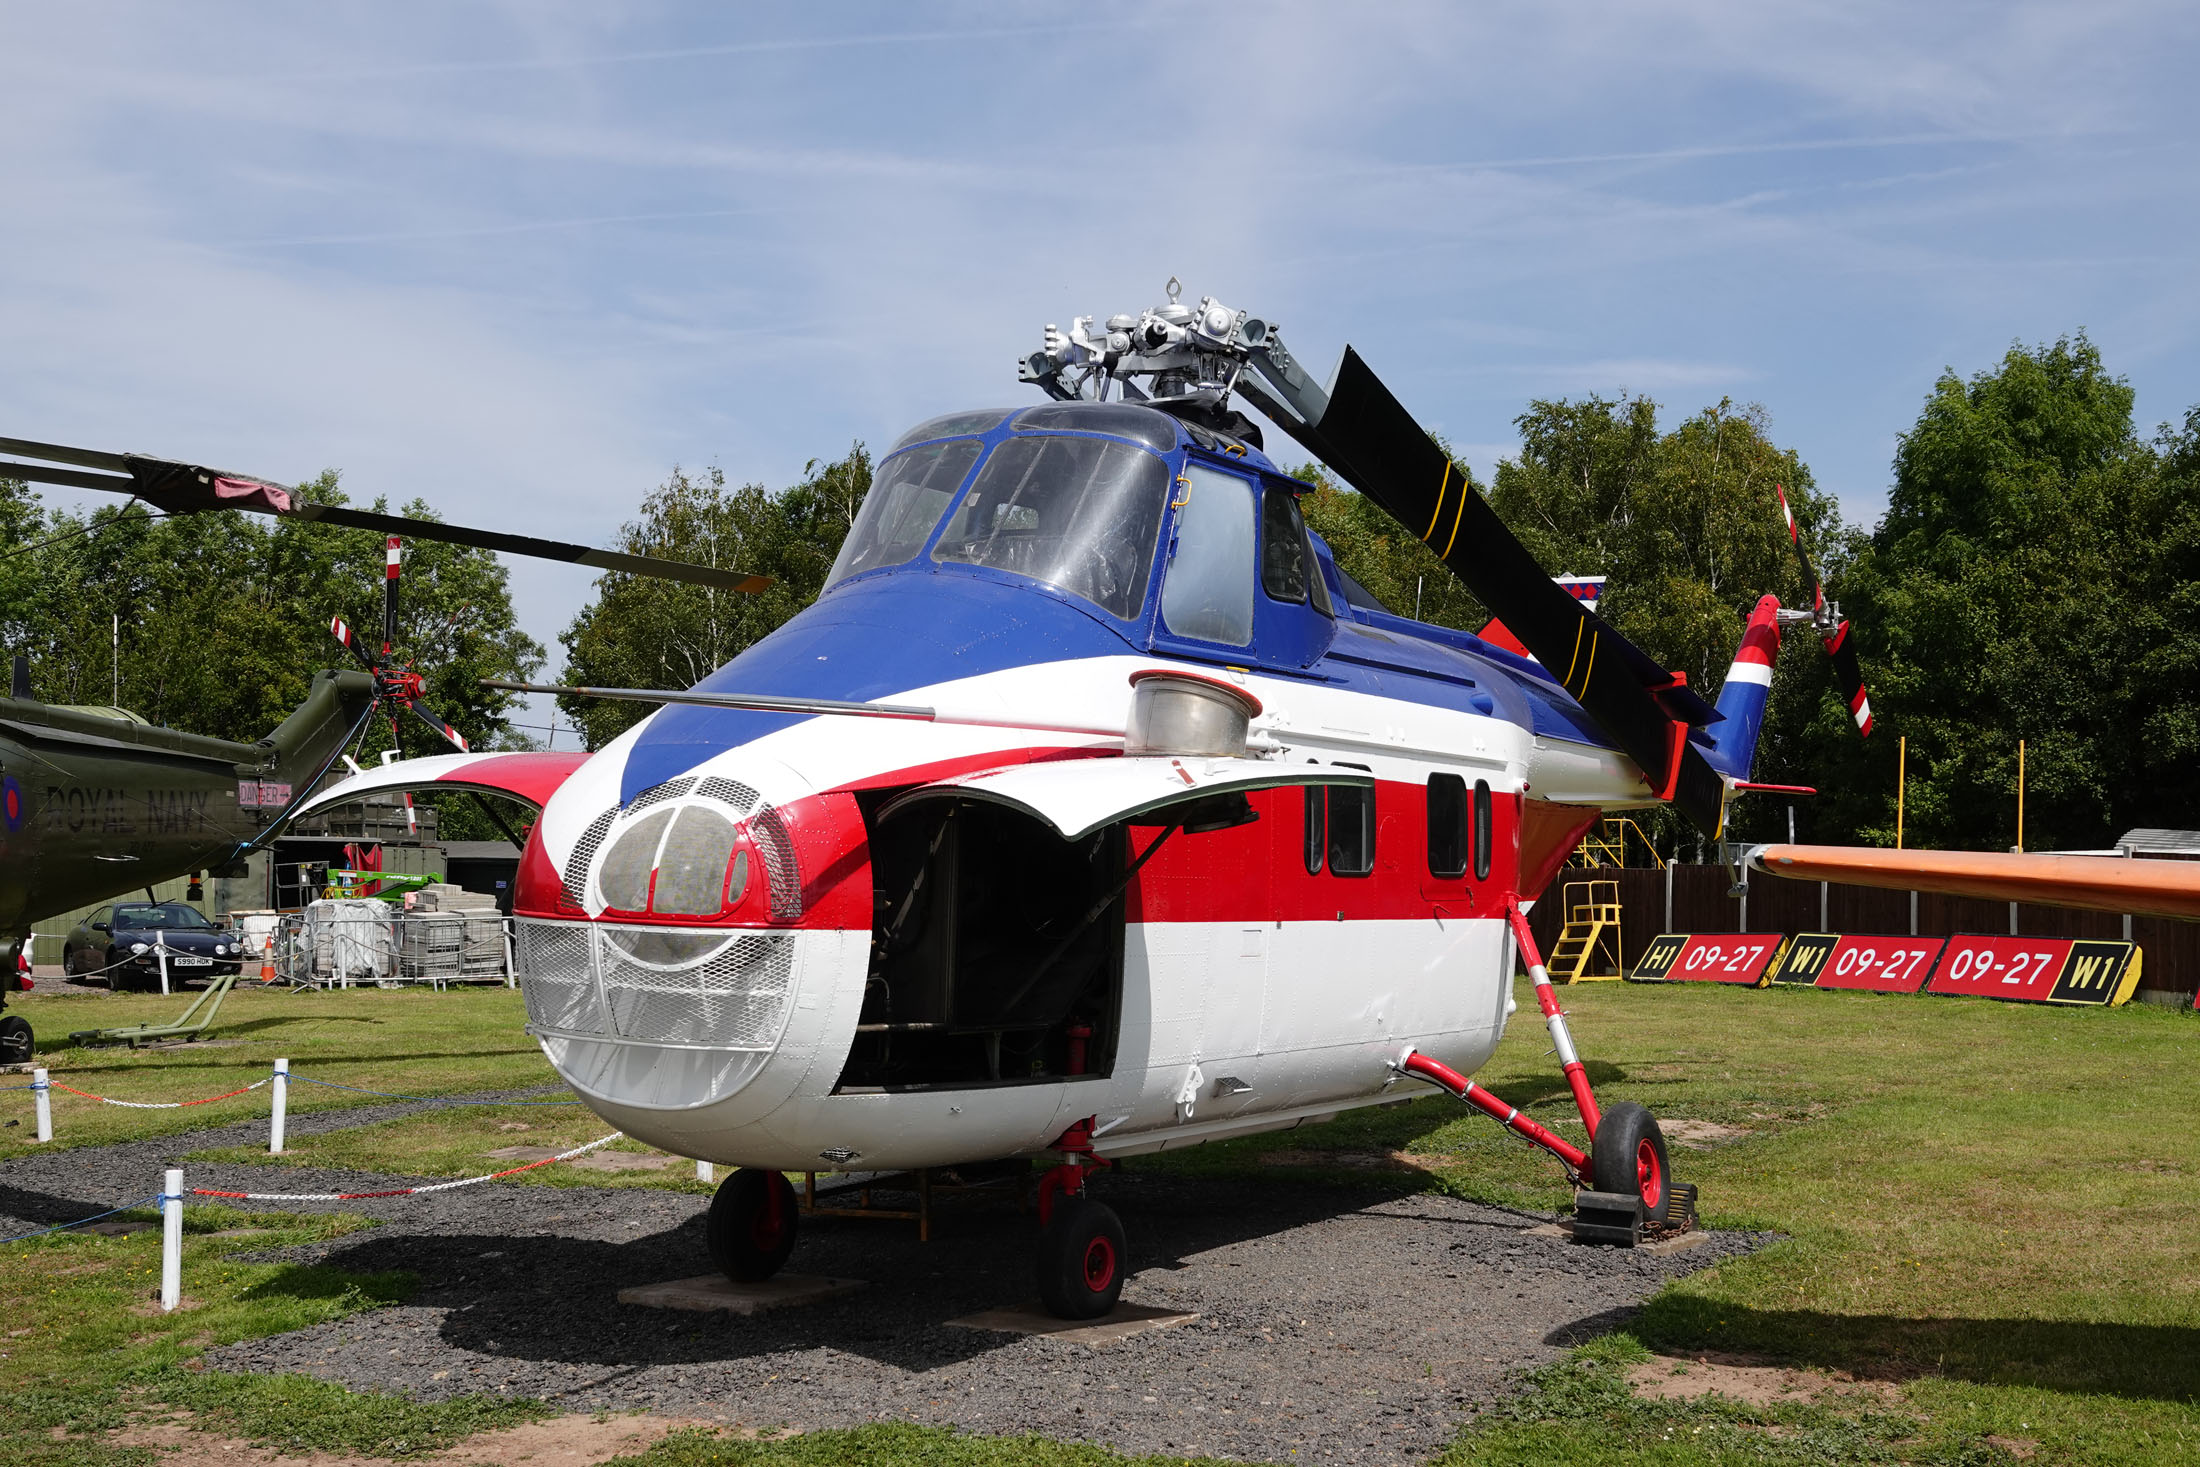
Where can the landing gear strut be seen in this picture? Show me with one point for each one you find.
(752, 1224)
(1081, 1259)
(1625, 1180)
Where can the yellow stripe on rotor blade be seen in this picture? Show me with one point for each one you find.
(1456, 516)
(1436, 513)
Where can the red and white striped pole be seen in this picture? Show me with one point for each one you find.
(1577, 1079)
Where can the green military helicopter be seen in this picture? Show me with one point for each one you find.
(95, 803)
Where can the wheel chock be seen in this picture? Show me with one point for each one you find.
(1678, 1214)
(1608, 1217)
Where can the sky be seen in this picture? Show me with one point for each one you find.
(523, 259)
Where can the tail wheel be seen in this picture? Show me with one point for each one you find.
(1081, 1259)
(1629, 1156)
(752, 1224)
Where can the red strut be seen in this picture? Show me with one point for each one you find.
(1482, 1100)
(1576, 1077)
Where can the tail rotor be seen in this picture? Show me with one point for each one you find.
(396, 682)
(1824, 618)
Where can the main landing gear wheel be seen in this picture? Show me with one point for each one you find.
(1628, 1156)
(752, 1224)
(1081, 1259)
(15, 1041)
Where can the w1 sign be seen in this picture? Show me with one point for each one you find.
(1877, 964)
(2038, 969)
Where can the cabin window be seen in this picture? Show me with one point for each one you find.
(1447, 826)
(1351, 828)
(907, 498)
(1209, 593)
(1080, 514)
(1481, 830)
(1317, 828)
(1282, 546)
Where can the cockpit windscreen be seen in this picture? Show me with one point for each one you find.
(1080, 514)
(911, 492)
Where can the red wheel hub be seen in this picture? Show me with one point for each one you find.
(769, 1225)
(1649, 1176)
(1099, 1265)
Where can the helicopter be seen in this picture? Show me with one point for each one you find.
(95, 803)
(1092, 810)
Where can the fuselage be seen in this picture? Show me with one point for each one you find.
(743, 939)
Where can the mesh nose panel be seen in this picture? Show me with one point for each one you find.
(556, 976)
(650, 985)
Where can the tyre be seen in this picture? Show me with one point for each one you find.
(752, 1225)
(1629, 1156)
(1081, 1259)
(15, 1041)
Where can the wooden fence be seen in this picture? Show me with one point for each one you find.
(1699, 901)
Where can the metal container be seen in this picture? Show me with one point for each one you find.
(1184, 713)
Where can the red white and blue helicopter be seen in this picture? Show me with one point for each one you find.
(1092, 810)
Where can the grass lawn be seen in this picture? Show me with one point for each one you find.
(1988, 1209)
(413, 1040)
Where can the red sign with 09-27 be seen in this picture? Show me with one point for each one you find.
(1876, 963)
(2036, 969)
(1723, 957)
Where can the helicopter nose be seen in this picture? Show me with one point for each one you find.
(686, 947)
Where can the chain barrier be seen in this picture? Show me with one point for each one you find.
(409, 1191)
(155, 1104)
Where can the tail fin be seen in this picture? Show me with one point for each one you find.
(1732, 743)
(303, 746)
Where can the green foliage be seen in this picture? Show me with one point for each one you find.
(2034, 579)
(881, 1443)
(224, 616)
(641, 633)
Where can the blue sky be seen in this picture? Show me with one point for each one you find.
(522, 259)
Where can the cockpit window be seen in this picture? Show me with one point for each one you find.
(1209, 592)
(1080, 514)
(907, 498)
(954, 425)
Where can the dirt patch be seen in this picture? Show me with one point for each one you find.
(2019, 1447)
(1748, 1379)
(1701, 1135)
(564, 1441)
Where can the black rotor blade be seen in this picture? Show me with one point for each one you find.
(393, 565)
(1369, 438)
(450, 735)
(342, 632)
(189, 488)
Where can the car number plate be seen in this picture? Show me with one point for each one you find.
(192, 962)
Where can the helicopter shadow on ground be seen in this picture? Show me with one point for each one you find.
(554, 1298)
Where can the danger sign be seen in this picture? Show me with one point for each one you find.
(1878, 964)
(2038, 969)
(1719, 957)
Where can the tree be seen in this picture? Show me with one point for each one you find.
(646, 633)
(217, 622)
(2025, 584)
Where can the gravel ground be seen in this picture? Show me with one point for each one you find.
(1336, 1324)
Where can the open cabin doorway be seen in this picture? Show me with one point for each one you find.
(989, 964)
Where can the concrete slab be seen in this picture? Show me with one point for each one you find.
(1662, 1247)
(594, 1161)
(1121, 1322)
(715, 1291)
(619, 1161)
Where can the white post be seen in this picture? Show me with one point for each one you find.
(160, 952)
(281, 1087)
(42, 1095)
(705, 1172)
(511, 962)
(171, 1240)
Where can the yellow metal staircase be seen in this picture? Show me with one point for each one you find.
(1607, 845)
(1590, 939)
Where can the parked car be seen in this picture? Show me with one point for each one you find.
(122, 943)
